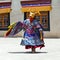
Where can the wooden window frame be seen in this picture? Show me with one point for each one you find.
(6, 28)
(45, 29)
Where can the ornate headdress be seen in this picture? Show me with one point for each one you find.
(33, 14)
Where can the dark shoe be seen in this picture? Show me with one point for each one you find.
(33, 50)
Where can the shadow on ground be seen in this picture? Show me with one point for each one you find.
(27, 52)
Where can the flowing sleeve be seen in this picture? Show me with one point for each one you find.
(14, 29)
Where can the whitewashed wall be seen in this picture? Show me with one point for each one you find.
(18, 15)
(54, 20)
(15, 15)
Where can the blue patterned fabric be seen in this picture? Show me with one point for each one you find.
(31, 39)
(31, 35)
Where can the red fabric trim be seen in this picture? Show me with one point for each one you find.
(8, 32)
(28, 47)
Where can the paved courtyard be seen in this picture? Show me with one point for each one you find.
(10, 49)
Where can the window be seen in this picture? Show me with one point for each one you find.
(4, 21)
(44, 19)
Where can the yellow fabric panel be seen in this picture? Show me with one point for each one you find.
(12, 25)
(38, 8)
(5, 10)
